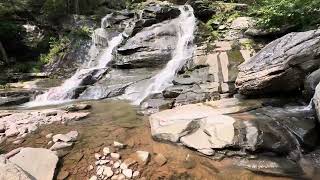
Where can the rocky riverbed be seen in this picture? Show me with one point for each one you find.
(106, 124)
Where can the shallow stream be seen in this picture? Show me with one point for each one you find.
(118, 121)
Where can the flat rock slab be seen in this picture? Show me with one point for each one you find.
(10, 171)
(27, 121)
(38, 162)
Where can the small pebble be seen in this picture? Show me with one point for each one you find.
(24, 135)
(115, 156)
(135, 174)
(19, 141)
(115, 177)
(99, 170)
(102, 162)
(127, 173)
(118, 145)
(49, 136)
(121, 177)
(144, 156)
(97, 156)
(117, 171)
(90, 168)
(106, 151)
(123, 166)
(116, 165)
(160, 159)
(107, 171)
(93, 178)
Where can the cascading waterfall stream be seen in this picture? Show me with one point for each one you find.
(186, 24)
(95, 68)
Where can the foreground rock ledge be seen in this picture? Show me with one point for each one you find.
(236, 124)
(37, 162)
(282, 65)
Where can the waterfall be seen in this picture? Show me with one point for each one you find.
(91, 71)
(186, 24)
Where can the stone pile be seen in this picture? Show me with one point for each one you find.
(62, 141)
(110, 165)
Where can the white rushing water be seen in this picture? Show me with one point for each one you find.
(96, 65)
(186, 24)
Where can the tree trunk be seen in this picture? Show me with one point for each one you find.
(77, 9)
(3, 53)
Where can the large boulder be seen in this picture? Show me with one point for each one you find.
(203, 10)
(152, 47)
(39, 163)
(154, 13)
(282, 65)
(236, 124)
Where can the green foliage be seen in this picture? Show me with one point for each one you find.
(83, 32)
(26, 67)
(10, 30)
(57, 48)
(54, 9)
(226, 14)
(280, 13)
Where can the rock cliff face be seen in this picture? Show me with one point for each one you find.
(282, 65)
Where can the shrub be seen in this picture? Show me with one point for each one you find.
(57, 47)
(300, 14)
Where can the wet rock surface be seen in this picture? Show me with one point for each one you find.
(17, 124)
(151, 47)
(281, 66)
(101, 134)
(275, 166)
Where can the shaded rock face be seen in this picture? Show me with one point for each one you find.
(282, 65)
(202, 9)
(151, 35)
(152, 47)
(155, 13)
(152, 38)
(311, 82)
(237, 124)
(15, 97)
(66, 65)
(208, 75)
